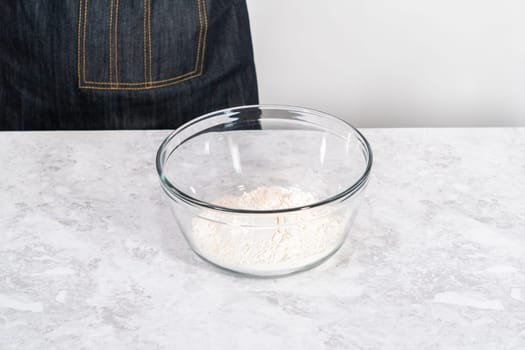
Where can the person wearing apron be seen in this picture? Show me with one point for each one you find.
(122, 64)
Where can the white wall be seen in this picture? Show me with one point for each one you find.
(394, 63)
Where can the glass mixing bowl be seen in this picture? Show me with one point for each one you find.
(265, 190)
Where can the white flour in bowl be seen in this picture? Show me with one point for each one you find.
(267, 241)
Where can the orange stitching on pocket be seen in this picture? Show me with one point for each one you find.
(149, 42)
(78, 40)
(199, 9)
(116, 42)
(147, 85)
(138, 88)
(110, 39)
(205, 34)
(84, 42)
(145, 60)
(193, 73)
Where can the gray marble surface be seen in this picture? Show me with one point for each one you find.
(90, 257)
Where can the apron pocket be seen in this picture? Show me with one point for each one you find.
(140, 44)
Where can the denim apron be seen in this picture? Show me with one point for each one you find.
(122, 64)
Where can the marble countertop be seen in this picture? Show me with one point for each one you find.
(90, 257)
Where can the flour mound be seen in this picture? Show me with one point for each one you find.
(267, 241)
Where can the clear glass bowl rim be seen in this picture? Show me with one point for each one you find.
(173, 191)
